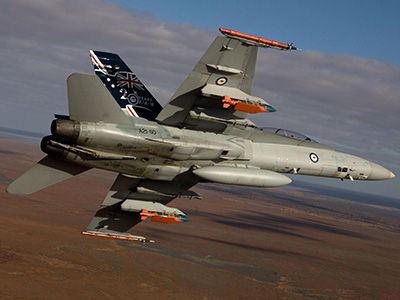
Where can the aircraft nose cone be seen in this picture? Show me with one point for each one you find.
(379, 173)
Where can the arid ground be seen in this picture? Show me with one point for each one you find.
(240, 243)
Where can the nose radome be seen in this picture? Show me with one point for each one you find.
(379, 173)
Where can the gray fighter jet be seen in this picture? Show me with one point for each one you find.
(203, 134)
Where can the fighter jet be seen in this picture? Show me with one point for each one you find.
(203, 134)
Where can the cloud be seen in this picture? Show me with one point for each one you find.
(45, 41)
(346, 99)
(341, 99)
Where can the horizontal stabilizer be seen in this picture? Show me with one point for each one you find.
(45, 173)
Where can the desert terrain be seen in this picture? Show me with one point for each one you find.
(240, 243)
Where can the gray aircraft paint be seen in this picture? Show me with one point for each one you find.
(194, 138)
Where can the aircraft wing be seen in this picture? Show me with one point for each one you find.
(218, 90)
(131, 200)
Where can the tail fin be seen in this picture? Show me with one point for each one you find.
(45, 173)
(89, 101)
(126, 88)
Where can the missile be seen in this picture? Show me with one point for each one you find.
(116, 235)
(257, 40)
(242, 176)
(247, 106)
(163, 217)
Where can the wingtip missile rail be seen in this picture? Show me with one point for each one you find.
(261, 42)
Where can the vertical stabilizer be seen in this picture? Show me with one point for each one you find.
(89, 101)
(126, 88)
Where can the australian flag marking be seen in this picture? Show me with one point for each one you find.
(129, 80)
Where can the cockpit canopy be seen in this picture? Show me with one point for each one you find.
(288, 133)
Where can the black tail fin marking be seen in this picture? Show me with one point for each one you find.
(126, 88)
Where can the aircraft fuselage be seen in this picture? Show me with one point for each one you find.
(149, 150)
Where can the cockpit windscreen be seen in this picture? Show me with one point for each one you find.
(288, 133)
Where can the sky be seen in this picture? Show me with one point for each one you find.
(343, 89)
